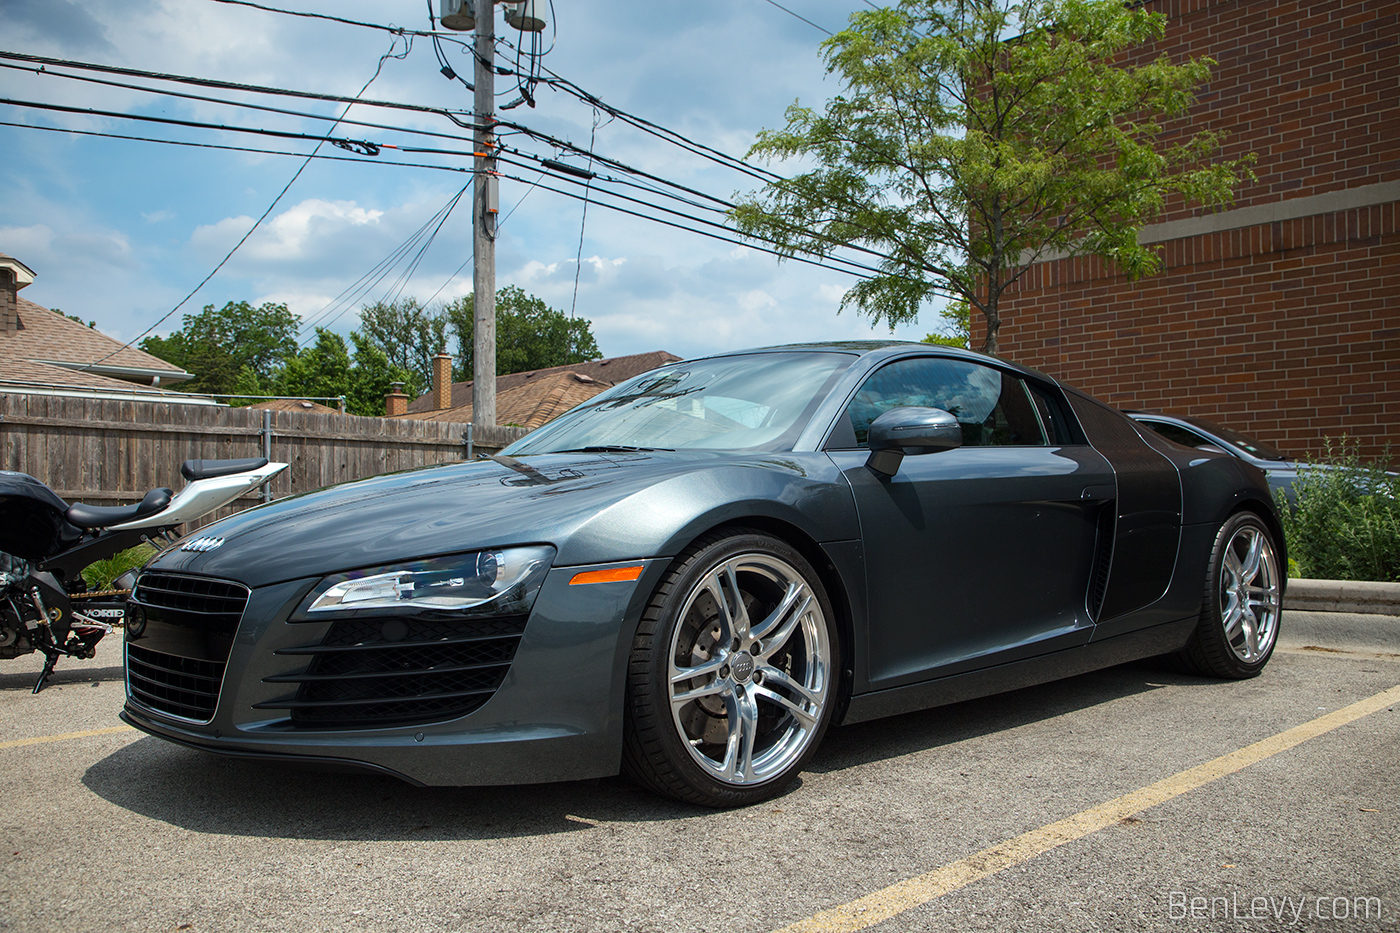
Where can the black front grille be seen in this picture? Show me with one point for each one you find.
(393, 672)
(179, 686)
(178, 647)
(218, 603)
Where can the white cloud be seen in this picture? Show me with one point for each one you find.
(289, 236)
(756, 300)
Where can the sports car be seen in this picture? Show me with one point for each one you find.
(694, 575)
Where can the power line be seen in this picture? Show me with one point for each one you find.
(567, 177)
(454, 116)
(396, 30)
(583, 221)
(334, 309)
(517, 127)
(551, 167)
(225, 148)
(378, 68)
(661, 132)
(397, 288)
(244, 105)
(194, 124)
(790, 13)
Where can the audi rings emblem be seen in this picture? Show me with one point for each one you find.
(202, 544)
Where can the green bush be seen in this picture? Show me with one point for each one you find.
(1345, 524)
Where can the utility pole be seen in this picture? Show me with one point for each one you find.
(485, 204)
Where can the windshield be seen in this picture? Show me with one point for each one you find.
(1249, 445)
(755, 401)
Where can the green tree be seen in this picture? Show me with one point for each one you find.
(372, 377)
(529, 334)
(322, 370)
(327, 369)
(408, 334)
(963, 156)
(957, 326)
(234, 349)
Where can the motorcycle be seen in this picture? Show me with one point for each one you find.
(45, 543)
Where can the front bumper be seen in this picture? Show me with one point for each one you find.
(557, 715)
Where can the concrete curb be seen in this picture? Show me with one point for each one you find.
(1344, 615)
(1343, 596)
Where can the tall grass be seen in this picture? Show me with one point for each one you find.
(1346, 523)
(99, 575)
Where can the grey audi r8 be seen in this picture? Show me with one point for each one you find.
(692, 576)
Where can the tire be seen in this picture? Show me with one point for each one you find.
(762, 682)
(1242, 604)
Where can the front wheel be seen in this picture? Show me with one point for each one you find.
(733, 673)
(1242, 603)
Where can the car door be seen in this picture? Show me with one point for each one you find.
(1147, 528)
(982, 554)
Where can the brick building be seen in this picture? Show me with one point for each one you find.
(1279, 316)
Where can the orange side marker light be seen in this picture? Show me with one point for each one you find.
(616, 575)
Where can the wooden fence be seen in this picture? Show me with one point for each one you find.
(110, 452)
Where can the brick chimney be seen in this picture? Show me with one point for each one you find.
(14, 275)
(395, 402)
(442, 381)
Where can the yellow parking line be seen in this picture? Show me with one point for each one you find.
(41, 739)
(881, 905)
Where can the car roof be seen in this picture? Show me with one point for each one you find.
(878, 348)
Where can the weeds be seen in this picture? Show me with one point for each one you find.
(99, 575)
(1346, 521)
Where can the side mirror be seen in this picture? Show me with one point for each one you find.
(910, 430)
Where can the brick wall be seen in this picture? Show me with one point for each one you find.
(1291, 330)
(1312, 87)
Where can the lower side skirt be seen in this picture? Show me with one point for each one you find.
(1096, 655)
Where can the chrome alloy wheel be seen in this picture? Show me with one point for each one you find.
(749, 669)
(1250, 596)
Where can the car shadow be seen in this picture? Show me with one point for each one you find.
(867, 742)
(207, 793)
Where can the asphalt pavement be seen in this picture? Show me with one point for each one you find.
(1134, 799)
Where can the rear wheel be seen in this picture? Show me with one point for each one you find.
(732, 678)
(1242, 603)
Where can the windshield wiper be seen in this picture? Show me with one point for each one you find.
(612, 449)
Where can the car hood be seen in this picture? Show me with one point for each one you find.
(542, 499)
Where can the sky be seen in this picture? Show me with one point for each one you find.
(119, 231)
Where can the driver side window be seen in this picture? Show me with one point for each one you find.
(991, 406)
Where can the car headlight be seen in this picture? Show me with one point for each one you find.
(501, 581)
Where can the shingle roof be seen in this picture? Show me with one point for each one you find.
(609, 371)
(527, 404)
(295, 404)
(47, 336)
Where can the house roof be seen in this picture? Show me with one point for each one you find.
(23, 274)
(294, 404)
(527, 404)
(52, 339)
(609, 372)
(25, 376)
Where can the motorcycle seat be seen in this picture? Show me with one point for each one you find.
(208, 469)
(101, 516)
